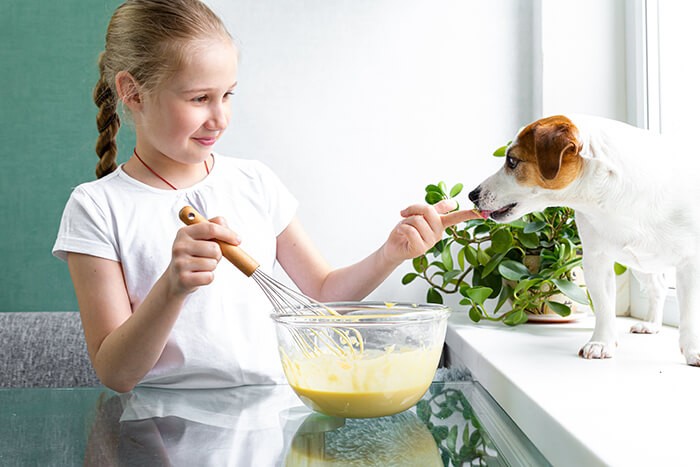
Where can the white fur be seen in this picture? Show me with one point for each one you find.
(637, 203)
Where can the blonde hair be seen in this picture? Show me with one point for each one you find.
(149, 39)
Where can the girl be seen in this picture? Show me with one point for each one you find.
(152, 310)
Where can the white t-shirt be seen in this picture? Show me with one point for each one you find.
(224, 336)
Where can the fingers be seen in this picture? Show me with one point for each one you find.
(220, 231)
(425, 219)
(446, 205)
(201, 241)
(439, 215)
(219, 220)
(196, 253)
(421, 229)
(456, 217)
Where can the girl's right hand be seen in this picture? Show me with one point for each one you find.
(196, 253)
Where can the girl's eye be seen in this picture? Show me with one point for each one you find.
(200, 99)
(228, 94)
(511, 162)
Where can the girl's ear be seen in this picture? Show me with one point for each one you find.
(128, 90)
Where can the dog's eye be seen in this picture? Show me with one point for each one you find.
(511, 162)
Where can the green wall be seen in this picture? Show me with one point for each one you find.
(48, 51)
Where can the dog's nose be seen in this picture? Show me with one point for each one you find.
(474, 195)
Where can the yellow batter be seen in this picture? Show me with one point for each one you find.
(372, 383)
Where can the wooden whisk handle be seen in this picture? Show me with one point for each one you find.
(236, 255)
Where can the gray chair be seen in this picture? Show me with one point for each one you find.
(44, 349)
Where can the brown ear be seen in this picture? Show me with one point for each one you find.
(553, 140)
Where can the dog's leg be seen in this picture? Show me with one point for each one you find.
(655, 288)
(600, 279)
(687, 283)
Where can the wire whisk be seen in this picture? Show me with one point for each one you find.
(286, 300)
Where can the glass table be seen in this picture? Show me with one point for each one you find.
(456, 423)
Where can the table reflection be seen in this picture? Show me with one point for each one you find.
(269, 426)
(227, 427)
(400, 439)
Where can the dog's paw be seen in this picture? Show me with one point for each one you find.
(645, 327)
(691, 352)
(597, 349)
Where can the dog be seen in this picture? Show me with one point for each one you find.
(637, 202)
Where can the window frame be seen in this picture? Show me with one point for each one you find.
(644, 111)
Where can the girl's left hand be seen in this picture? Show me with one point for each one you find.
(421, 228)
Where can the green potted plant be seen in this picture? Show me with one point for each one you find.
(533, 264)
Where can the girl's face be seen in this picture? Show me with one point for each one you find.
(190, 112)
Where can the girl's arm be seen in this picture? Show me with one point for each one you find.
(124, 344)
(421, 228)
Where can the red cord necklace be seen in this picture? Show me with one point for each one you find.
(206, 166)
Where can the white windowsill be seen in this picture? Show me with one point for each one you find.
(636, 409)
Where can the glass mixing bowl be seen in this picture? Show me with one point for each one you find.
(373, 360)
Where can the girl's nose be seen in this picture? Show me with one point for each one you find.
(218, 119)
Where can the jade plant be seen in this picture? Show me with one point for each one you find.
(529, 264)
(457, 431)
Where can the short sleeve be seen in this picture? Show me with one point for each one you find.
(281, 204)
(85, 229)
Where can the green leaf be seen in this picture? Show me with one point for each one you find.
(482, 257)
(513, 270)
(457, 189)
(479, 294)
(620, 269)
(440, 432)
(517, 224)
(465, 433)
(529, 240)
(434, 188)
(461, 259)
(501, 152)
(501, 241)
(420, 263)
(492, 281)
(506, 293)
(447, 258)
(452, 439)
(515, 317)
(408, 278)
(558, 308)
(423, 410)
(449, 276)
(474, 314)
(474, 439)
(534, 227)
(539, 215)
(471, 255)
(433, 197)
(481, 228)
(444, 412)
(492, 264)
(434, 296)
(525, 285)
(571, 290)
(441, 244)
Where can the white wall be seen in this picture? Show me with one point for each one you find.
(581, 57)
(358, 104)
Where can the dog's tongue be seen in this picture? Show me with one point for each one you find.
(482, 214)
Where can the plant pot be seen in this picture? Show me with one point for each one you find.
(545, 314)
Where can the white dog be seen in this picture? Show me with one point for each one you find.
(637, 202)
